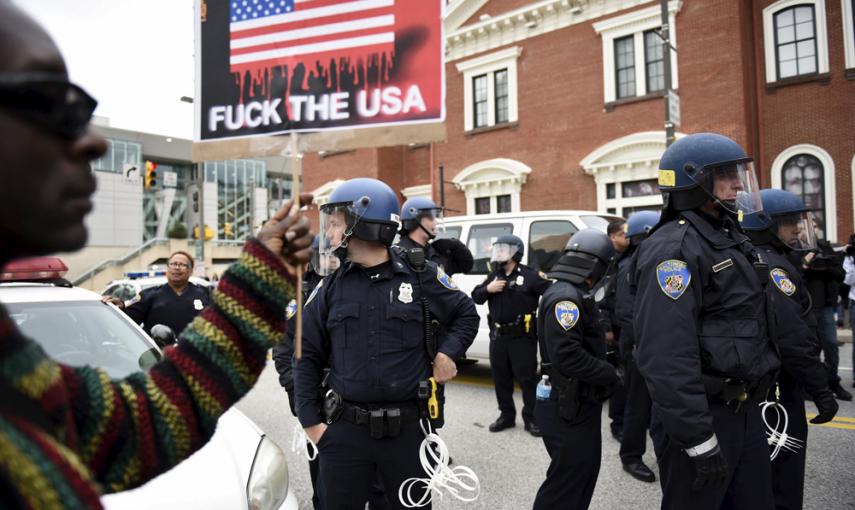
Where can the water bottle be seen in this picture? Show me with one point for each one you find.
(544, 388)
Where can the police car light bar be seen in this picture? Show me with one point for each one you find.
(133, 275)
(36, 268)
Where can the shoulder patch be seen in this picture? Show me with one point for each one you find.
(291, 309)
(446, 281)
(314, 293)
(673, 277)
(567, 314)
(781, 279)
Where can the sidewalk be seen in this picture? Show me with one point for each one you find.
(844, 335)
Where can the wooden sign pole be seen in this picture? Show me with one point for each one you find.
(293, 151)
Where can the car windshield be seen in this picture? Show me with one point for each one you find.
(598, 222)
(86, 333)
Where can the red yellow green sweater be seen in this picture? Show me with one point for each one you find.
(111, 435)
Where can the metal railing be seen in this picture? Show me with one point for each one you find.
(136, 252)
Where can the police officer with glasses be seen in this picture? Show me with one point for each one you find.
(573, 353)
(384, 323)
(511, 292)
(785, 227)
(703, 331)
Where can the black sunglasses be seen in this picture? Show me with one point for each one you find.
(49, 101)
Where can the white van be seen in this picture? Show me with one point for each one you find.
(544, 233)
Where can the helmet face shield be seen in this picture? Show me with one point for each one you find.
(735, 187)
(503, 252)
(797, 230)
(336, 226)
(431, 220)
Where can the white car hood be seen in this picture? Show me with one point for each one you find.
(215, 477)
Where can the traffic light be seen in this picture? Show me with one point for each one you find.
(150, 174)
(227, 229)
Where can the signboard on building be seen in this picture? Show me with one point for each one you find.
(674, 108)
(273, 67)
(170, 179)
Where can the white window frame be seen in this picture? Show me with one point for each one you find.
(421, 190)
(635, 23)
(492, 178)
(828, 184)
(630, 158)
(848, 33)
(769, 36)
(489, 64)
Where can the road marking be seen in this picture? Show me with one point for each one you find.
(839, 422)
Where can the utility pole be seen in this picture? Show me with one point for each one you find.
(200, 178)
(670, 95)
(441, 186)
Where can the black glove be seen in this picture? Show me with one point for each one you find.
(457, 255)
(826, 405)
(710, 469)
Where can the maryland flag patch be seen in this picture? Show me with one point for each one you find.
(673, 277)
(567, 314)
(781, 279)
(314, 293)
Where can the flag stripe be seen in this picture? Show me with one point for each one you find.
(310, 40)
(318, 12)
(315, 31)
(292, 51)
(272, 29)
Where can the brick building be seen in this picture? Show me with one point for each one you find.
(557, 104)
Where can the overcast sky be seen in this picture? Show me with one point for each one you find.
(134, 56)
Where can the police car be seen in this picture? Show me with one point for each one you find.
(238, 468)
(135, 282)
(544, 234)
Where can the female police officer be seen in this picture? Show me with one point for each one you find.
(370, 323)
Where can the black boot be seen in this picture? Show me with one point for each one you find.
(840, 392)
(501, 423)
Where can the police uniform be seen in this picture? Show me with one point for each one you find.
(618, 400)
(573, 352)
(161, 305)
(406, 243)
(513, 336)
(367, 326)
(449, 254)
(802, 372)
(704, 350)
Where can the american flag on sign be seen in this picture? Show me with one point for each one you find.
(267, 33)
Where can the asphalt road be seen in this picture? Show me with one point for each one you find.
(511, 464)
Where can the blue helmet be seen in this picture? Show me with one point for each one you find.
(687, 167)
(781, 208)
(641, 223)
(370, 207)
(413, 210)
(516, 251)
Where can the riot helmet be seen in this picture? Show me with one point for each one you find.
(784, 220)
(416, 208)
(639, 224)
(364, 208)
(704, 166)
(588, 254)
(507, 247)
(322, 264)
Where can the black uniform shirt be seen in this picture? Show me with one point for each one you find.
(406, 243)
(283, 351)
(519, 297)
(797, 343)
(700, 307)
(366, 325)
(161, 305)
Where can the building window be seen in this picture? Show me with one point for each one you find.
(121, 156)
(808, 171)
(795, 39)
(240, 187)
(479, 100)
(630, 45)
(482, 205)
(625, 66)
(501, 87)
(490, 86)
(803, 175)
(849, 33)
(503, 203)
(654, 61)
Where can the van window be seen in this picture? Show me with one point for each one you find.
(481, 239)
(449, 233)
(546, 242)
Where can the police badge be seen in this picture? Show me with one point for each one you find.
(673, 277)
(405, 293)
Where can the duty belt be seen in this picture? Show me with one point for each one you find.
(737, 391)
(382, 421)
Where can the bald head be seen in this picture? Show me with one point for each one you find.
(25, 45)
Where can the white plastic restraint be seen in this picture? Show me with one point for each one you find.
(301, 444)
(776, 434)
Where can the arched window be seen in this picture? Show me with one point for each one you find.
(808, 171)
(795, 39)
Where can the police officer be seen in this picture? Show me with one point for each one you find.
(785, 226)
(371, 322)
(703, 344)
(637, 411)
(573, 352)
(616, 231)
(175, 303)
(512, 291)
(420, 218)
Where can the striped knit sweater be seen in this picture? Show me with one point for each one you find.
(112, 435)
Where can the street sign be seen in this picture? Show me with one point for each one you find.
(674, 108)
(131, 172)
(170, 179)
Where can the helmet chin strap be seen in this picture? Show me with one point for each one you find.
(431, 237)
